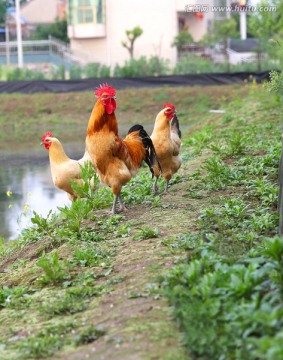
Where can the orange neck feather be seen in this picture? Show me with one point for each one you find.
(99, 118)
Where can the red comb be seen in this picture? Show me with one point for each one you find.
(48, 134)
(105, 88)
(168, 105)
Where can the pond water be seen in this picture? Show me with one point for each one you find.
(26, 174)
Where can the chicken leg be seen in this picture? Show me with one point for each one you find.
(154, 187)
(122, 205)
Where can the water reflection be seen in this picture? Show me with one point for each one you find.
(32, 190)
(27, 175)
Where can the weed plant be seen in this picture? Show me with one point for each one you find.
(227, 292)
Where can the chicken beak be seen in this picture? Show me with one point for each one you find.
(41, 143)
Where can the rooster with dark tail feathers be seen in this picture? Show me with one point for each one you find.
(116, 160)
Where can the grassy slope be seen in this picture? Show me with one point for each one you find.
(105, 277)
(26, 117)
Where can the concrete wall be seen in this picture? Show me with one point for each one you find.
(91, 50)
(39, 11)
(239, 58)
(157, 18)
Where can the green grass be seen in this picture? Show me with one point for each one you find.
(88, 335)
(214, 298)
(210, 247)
(231, 281)
(34, 114)
(146, 233)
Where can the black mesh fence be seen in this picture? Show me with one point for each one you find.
(58, 86)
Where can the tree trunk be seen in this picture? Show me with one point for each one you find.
(226, 54)
(259, 53)
(131, 49)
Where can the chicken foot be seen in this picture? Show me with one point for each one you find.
(122, 205)
(155, 188)
(166, 188)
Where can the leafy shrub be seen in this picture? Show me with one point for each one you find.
(146, 233)
(76, 72)
(43, 224)
(196, 65)
(55, 271)
(91, 257)
(105, 71)
(15, 74)
(77, 212)
(132, 68)
(214, 299)
(142, 67)
(59, 72)
(33, 75)
(58, 29)
(91, 70)
(24, 74)
(158, 66)
(276, 83)
(91, 182)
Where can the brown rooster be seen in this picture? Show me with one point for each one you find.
(116, 160)
(63, 169)
(166, 138)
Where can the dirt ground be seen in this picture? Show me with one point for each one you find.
(135, 316)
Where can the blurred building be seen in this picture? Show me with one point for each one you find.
(96, 28)
(12, 24)
(43, 12)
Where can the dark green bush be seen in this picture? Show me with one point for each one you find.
(105, 71)
(59, 73)
(142, 67)
(196, 65)
(91, 70)
(76, 72)
(24, 74)
(230, 311)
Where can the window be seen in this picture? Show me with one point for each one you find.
(99, 11)
(86, 11)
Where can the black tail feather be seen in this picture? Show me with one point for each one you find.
(150, 154)
(175, 124)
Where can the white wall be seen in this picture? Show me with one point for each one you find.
(157, 18)
(91, 50)
(238, 58)
(39, 11)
